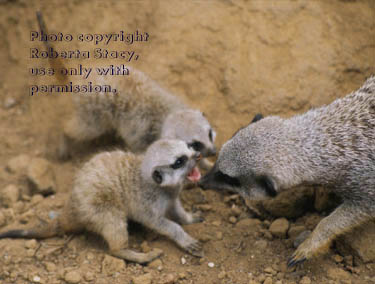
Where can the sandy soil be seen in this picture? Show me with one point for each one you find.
(231, 59)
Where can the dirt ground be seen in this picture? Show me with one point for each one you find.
(231, 59)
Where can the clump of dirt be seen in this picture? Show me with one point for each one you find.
(231, 59)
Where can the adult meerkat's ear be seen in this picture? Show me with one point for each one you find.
(257, 117)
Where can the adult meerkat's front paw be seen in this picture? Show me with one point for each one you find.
(197, 217)
(194, 248)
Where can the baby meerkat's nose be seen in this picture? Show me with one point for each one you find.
(197, 156)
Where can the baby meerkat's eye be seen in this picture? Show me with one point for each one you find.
(180, 162)
(196, 145)
(210, 135)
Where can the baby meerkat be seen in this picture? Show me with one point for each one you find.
(332, 146)
(140, 112)
(114, 187)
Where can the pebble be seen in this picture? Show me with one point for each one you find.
(72, 277)
(143, 279)
(9, 102)
(169, 279)
(145, 247)
(232, 220)
(89, 276)
(50, 266)
(112, 264)
(31, 244)
(248, 222)
(235, 211)
(216, 223)
(18, 164)
(268, 280)
(219, 235)
(338, 258)
(279, 227)
(41, 176)
(9, 195)
(294, 231)
(183, 260)
(270, 270)
(3, 219)
(36, 199)
(222, 275)
(156, 264)
(36, 279)
(305, 280)
(204, 207)
(211, 264)
(338, 274)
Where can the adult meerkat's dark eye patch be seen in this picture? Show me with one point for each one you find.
(210, 135)
(267, 184)
(180, 162)
(223, 178)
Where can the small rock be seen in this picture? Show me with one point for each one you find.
(219, 235)
(338, 258)
(36, 199)
(145, 247)
(111, 265)
(216, 223)
(301, 238)
(279, 227)
(155, 264)
(204, 207)
(30, 252)
(36, 279)
(3, 219)
(349, 260)
(9, 195)
(205, 238)
(305, 280)
(270, 270)
(89, 276)
(31, 244)
(260, 244)
(18, 164)
(72, 277)
(268, 280)
(248, 222)
(232, 220)
(50, 266)
(211, 264)
(53, 214)
(235, 211)
(222, 275)
(9, 102)
(41, 176)
(169, 279)
(182, 276)
(183, 260)
(336, 273)
(143, 279)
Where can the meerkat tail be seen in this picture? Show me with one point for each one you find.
(55, 63)
(42, 231)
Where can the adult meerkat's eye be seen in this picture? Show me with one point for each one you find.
(196, 145)
(179, 163)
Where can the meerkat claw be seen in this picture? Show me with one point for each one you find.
(293, 261)
(195, 249)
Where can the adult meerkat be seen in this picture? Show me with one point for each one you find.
(333, 146)
(116, 186)
(140, 112)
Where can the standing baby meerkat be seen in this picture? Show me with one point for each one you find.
(114, 187)
(333, 146)
(140, 112)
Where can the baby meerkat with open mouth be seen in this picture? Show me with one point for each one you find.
(114, 187)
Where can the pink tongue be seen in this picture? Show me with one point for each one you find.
(194, 175)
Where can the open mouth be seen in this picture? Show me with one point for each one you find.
(194, 175)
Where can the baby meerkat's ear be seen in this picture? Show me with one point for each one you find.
(257, 117)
